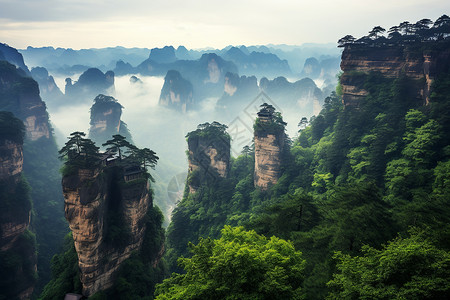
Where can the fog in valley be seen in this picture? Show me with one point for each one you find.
(163, 130)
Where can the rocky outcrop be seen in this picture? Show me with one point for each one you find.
(257, 63)
(47, 86)
(302, 94)
(391, 62)
(163, 55)
(177, 92)
(105, 120)
(13, 56)
(208, 154)
(18, 267)
(106, 216)
(90, 84)
(11, 159)
(207, 74)
(269, 139)
(20, 95)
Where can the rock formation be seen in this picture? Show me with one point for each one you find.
(163, 55)
(20, 95)
(208, 154)
(390, 61)
(303, 94)
(47, 86)
(106, 213)
(176, 92)
(17, 243)
(90, 84)
(269, 139)
(257, 63)
(238, 92)
(207, 74)
(105, 120)
(13, 57)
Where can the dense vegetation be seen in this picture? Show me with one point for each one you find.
(360, 184)
(239, 265)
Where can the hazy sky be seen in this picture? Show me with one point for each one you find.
(196, 24)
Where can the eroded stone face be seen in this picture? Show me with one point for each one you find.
(86, 196)
(15, 220)
(11, 159)
(391, 62)
(268, 149)
(208, 157)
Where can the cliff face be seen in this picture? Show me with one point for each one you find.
(11, 159)
(97, 205)
(302, 94)
(268, 149)
(209, 157)
(269, 140)
(105, 120)
(20, 95)
(14, 57)
(17, 243)
(391, 62)
(47, 86)
(176, 92)
(91, 83)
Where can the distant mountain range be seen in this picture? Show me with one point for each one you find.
(261, 61)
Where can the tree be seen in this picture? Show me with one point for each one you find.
(11, 128)
(117, 143)
(73, 146)
(406, 27)
(394, 32)
(144, 157)
(406, 268)
(442, 21)
(376, 32)
(348, 39)
(239, 265)
(80, 152)
(423, 24)
(246, 151)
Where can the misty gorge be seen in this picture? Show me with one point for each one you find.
(250, 171)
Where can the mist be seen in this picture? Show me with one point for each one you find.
(163, 130)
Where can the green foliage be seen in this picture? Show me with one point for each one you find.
(239, 265)
(79, 153)
(41, 168)
(354, 179)
(406, 268)
(65, 273)
(17, 265)
(271, 124)
(11, 128)
(212, 132)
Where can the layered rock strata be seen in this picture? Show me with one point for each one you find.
(209, 157)
(268, 149)
(391, 62)
(91, 199)
(17, 243)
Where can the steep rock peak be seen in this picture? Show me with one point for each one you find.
(177, 92)
(106, 213)
(208, 154)
(269, 139)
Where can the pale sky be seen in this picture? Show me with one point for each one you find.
(203, 23)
